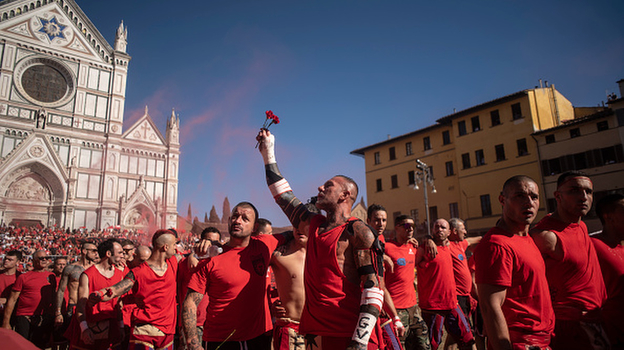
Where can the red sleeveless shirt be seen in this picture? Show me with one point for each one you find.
(332, 305)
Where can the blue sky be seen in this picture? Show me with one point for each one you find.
(341, 75)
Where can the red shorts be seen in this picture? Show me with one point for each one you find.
(151, 342)
(286, 336)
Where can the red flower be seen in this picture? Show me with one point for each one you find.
(270, 120)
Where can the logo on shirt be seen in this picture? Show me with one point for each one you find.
(259, 265)
(461, 256)
(410, 251)
(401, 262)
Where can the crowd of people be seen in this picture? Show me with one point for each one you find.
(333, 282)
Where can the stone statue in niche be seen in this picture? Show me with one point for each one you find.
(41, 118)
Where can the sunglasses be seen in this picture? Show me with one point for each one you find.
(42, 258)
(407, 226)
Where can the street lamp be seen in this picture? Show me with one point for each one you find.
(423, 175)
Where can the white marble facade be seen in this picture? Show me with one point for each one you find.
(66, 158)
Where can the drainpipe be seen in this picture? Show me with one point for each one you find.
(552, 87)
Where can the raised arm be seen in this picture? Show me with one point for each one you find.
(372, 294)
(473, 242)
(296, 211)
(189, 319)
(491, 298)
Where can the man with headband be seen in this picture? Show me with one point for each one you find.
(343, 295)
(572, 268)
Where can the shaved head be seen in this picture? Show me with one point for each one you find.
(163, 239)
(143, 252)
(351, 186)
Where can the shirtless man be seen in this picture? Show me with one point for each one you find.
(572, 268)
(69, 281)
(339, 261)
(287, 262)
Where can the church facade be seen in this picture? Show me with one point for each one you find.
(65, 159)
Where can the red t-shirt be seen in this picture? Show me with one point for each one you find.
(400, 283)
(575, 281)
(463, 278)
(6, 284)
(436, 283)
(155, 296)
(37, 290)
(332, 304)
(107, 309)
(612, 265)
(236, 284)
(513, 261)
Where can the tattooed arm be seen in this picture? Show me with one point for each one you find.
(70, 272)
(122, 287)
(372, 295)
(189, 319)
(296, 211)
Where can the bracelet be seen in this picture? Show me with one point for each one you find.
(397, 318)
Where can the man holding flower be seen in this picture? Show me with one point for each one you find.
(343, 295)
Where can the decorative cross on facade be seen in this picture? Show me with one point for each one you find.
(145, 129)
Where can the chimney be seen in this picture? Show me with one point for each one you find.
(621, 84)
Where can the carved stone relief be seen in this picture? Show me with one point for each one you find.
(28, 188)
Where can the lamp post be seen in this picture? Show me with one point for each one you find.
(423, 174)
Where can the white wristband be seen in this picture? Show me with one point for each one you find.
(268, 151)
(84, 326)
(372, 296)
(366, 324)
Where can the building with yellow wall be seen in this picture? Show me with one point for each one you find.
(471, 153)
(592, 144)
